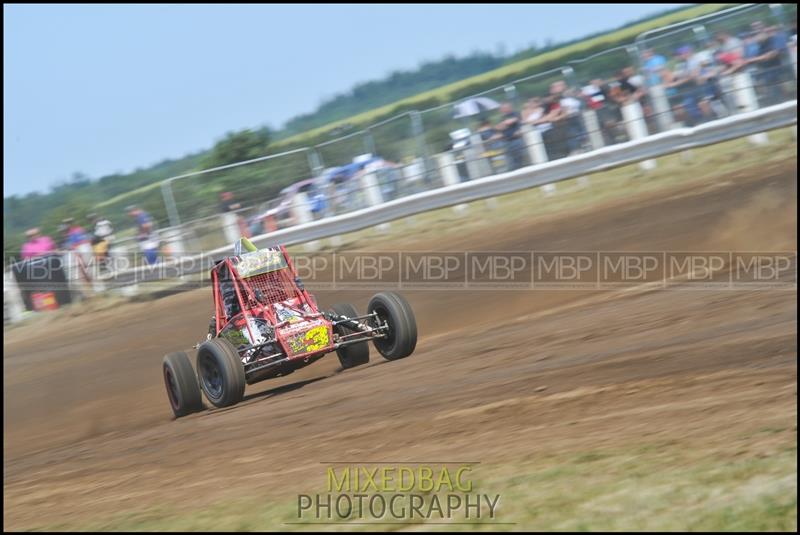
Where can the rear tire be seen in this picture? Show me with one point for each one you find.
(220, 372)
(401, 339)
(355, 354)
(181, 383)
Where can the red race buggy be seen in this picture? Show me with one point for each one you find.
(266, 325)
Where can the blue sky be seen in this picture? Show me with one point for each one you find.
(109, 88)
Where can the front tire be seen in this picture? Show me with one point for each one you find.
(355, 354)
(181, 383)
(220, 372)
(401, 337)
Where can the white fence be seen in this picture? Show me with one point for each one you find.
(639, 150)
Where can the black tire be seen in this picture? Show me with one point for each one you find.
(220, 372)
(181, 383)
(392, 308)
(352, 355)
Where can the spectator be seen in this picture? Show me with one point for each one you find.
(598, 98)
(771, 43)
(751, 45)
(555, 140)
(487, 131)
(144, 223)
(492, 145)
(227, 203)
(102, 227)
(709, 95)
(729, 44)
(631, 86)
(74, 235)
(37, 244)
(536, 115)
(510, 130)
(652, 64)
(730, 53)
(145, 233)
(576, 133)
(563, 111)
(103, 235)
(681, 87)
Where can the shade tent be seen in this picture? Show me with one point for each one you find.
(474, 106)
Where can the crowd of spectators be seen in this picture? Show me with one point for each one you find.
(696, 79)
(696, 82)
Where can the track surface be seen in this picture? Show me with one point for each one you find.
(497, 376)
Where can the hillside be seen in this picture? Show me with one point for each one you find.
(431, 84)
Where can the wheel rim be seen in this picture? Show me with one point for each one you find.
(211, 377)
(386, 342)
(172, 387)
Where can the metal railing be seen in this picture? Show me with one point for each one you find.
(421, 152)
(640, 150)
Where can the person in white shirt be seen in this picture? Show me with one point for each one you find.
(102, 237)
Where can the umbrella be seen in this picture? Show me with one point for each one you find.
(474, 106)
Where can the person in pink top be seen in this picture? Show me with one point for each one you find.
(37, 244)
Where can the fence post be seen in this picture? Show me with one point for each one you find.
(447, 166)
(537, 151)
(314, 161)
(175, 239)
(372, 189)
(747, 100)
(302, 214)
(174, 242)
(418, 132)
(535, 144)
(569, 75)
(477, 166)
(230, 226)
(592, 125)
(12, 298)
(511, 95)
(661, 107)
(636, 127)
(169, 202)
(369, 142)
(373, 194)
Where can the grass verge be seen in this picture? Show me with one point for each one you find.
(649, 487)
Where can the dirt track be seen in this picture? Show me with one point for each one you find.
(497, 377)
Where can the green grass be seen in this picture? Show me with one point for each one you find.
(500, 75)
(128, 194)
(517, 69)
(707, 165)
(657, 487)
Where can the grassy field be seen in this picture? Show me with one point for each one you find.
(577, 194)
(647, 487)
(517, 69)
(521, 68)
(713, 162)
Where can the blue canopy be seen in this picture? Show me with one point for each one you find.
(346, 172)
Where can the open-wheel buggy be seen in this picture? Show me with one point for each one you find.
(265, 324)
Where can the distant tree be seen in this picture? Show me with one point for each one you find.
(239, 146)
(79, 179)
